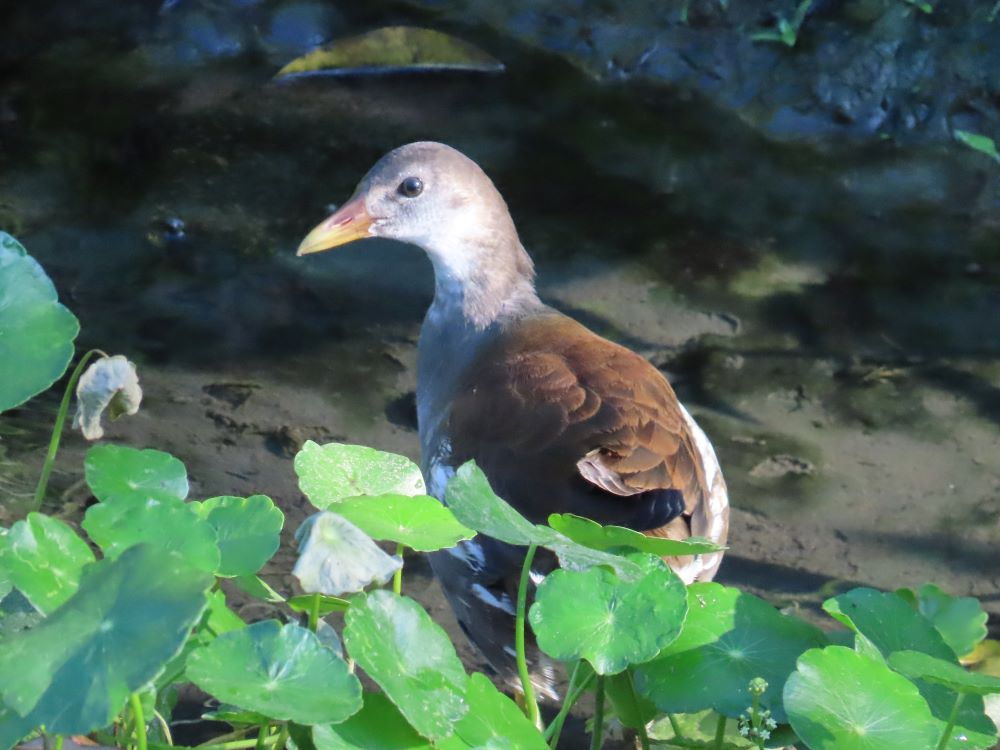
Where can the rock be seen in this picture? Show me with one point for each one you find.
(781, 465)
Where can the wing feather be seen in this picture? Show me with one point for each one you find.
(551, 401)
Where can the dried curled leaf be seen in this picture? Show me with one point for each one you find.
(110, 384)
(393, 49)
(336, 557)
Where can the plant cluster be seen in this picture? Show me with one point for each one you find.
(97, 634)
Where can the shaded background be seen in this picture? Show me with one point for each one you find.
(791, 234)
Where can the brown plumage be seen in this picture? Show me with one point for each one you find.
(562, 404)
(558, 418)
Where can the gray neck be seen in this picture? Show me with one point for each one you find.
(463, 318)
(484, 285)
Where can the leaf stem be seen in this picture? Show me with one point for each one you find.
(397, 577)
(573, 693)
(675, 726)
(140, 721)
(720, 732)
(952, 718)
(57, 428)
(58, 742)
(236, 734)
(530, 704)
(597, 731)
(314, 613)
(641, 729)
(282, 737)
(234, 745)
(164, 727)
(262, 734)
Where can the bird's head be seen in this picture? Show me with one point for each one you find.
(432, 196)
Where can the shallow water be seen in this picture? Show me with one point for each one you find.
(828, 311)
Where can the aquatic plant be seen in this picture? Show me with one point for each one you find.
(99, 643)
(786, 30)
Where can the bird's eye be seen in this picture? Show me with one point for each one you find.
(411, 187)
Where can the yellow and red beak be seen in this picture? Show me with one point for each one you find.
(350, 222)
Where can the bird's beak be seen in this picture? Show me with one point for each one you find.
(350, 222)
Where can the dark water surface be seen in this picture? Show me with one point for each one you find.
(829, 310)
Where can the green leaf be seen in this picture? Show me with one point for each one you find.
(170, 523)
(961, 621)
(890, 624)
(281, 671)
(420, 522)
(393, 49)
(220, 618)
(411, 658)
(258, 588)
(44, 558)
(236, 716)
(630, 708)
(919, 665)
(887, 621)
(698, 730)
(247, 530)
(36, 332)
(17, 614)
(729, 638)
(331, 473)
(594, 615)
(573, 556)
(74, 670)
(978, 142)
(592, 534)
(838, 699)
(377, 726)
(336, 557)
(329, 637)
(474, 503)
(115, 471)
(327, 604)
(13, 727)
(494, 721)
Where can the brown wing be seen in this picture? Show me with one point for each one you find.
(562, 420)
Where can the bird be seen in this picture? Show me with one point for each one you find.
(559, 419)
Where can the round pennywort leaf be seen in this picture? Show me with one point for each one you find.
(170, 523)
(592, 534)
(595, 615)
(128, 617)
(729, 638)
(411, 658)
(334, 472)
(44, 559)
(918, 665)
(838, 699)
(377, 725)
(36, 332)
(477, 506)
(420, 522)
(248, 531)
(284, 672)
(961, 621)
(120, 471)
